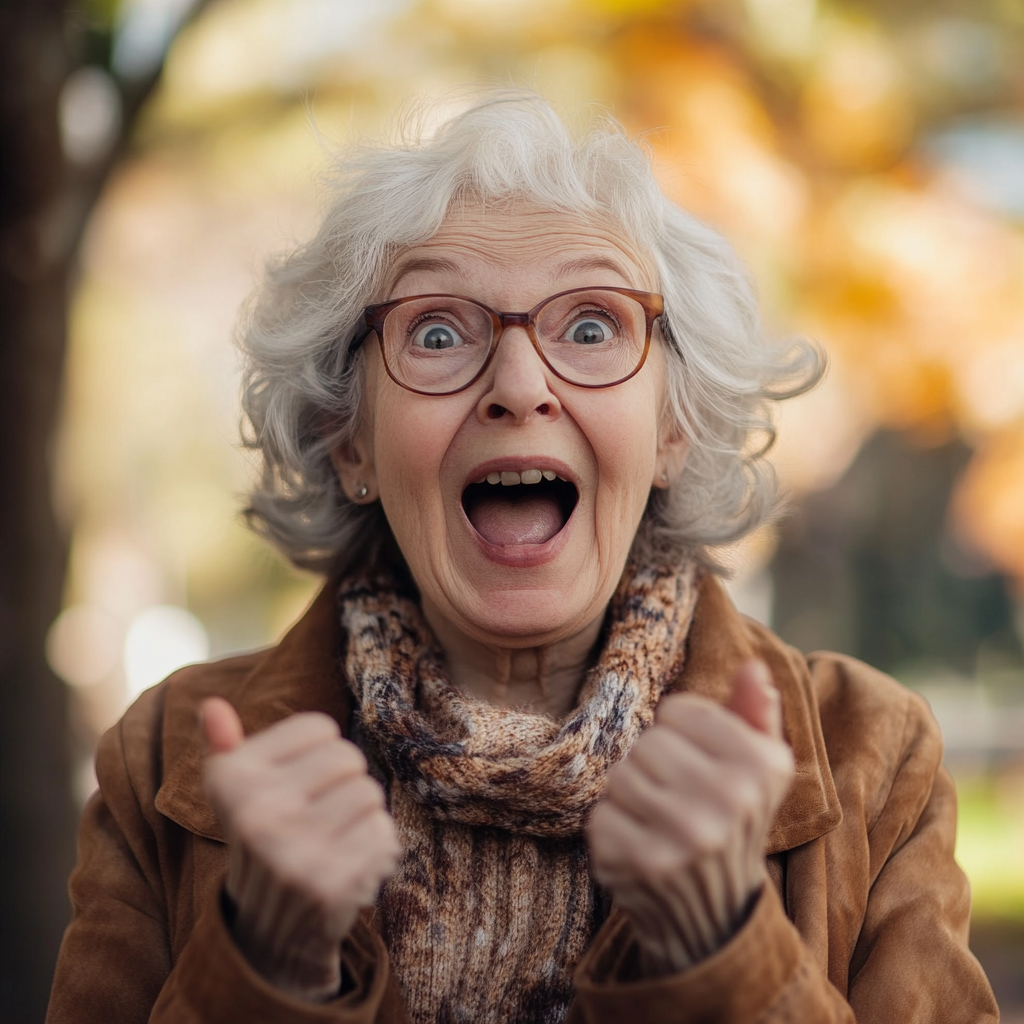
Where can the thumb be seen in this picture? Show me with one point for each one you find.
(221, 726)
(755, 699)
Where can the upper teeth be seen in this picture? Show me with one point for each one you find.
(528, 476)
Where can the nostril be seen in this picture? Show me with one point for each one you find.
(544, 409)
(495, 412)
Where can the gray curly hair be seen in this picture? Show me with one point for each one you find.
(302, 394)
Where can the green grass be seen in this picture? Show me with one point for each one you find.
(990, 847)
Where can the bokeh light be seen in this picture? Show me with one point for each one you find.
(159, 641)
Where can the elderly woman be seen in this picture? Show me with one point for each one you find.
(521, 761)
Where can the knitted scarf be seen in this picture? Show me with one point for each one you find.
(492, 904)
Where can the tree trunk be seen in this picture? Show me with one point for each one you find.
(36, 809)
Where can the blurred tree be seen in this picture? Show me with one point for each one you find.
(872, 567)
(36, 813)
(68, 102)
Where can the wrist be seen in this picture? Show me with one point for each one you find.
(305, 967)
(683, 932)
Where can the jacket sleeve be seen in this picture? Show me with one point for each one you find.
(903, 958)
(116, 963)
(911, 961)
(764, 975)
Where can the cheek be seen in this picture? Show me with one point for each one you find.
(402, 446)
(407, 488)
(627, 447)
(411, 437)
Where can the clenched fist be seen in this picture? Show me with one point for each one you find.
(309, 842)
(679, 838)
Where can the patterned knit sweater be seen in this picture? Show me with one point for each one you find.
(493, 904)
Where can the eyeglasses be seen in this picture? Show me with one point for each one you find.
(441, 344)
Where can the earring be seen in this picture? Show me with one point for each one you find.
(664, 476)
(361, 490)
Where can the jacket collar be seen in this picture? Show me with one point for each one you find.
(302, 674)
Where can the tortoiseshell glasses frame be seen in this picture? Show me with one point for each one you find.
(376, 318)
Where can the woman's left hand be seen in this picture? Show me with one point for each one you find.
(679, 838)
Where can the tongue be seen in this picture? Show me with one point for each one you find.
(526, 520)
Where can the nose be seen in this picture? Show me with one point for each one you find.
(518, 382)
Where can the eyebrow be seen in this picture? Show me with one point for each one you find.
(429, 264)
(586, 263)
(438, 264)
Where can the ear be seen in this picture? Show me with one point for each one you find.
(353, 462)
(673, 447)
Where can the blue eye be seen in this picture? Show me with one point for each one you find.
(590, 332)
(436, 337)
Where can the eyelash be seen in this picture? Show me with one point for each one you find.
(603, 314)
(432, 318)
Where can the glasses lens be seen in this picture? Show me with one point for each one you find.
(593, 336)
(437, 343)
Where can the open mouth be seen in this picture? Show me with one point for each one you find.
(515, 508)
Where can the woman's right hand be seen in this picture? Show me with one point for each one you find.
(309, 842)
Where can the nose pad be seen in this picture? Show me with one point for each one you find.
(519, 382)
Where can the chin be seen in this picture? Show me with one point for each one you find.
(525, 617)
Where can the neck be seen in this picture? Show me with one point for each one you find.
(544, 679)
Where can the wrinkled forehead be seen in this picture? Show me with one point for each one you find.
(478, 246)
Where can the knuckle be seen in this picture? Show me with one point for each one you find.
(773, 754)
(313, 724)
(357, 881)
(370, 838)
(386, 865)
(682, 706)
(383, 832)
(672, 705)
(363, 888)
(689, 711)
(620, 782)
(364, 792)
(785, 762)
(704, 833)
(745, 796)
(713, 834)
(778, 766)
(649, 743)
(350, 756)
(655, 748)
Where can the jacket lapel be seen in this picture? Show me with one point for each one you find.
(299, 674)
(302, 674)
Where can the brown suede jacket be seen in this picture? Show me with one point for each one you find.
(865, 918)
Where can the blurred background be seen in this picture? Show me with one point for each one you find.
(867, 160)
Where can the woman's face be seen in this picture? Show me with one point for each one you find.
(515, 569)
